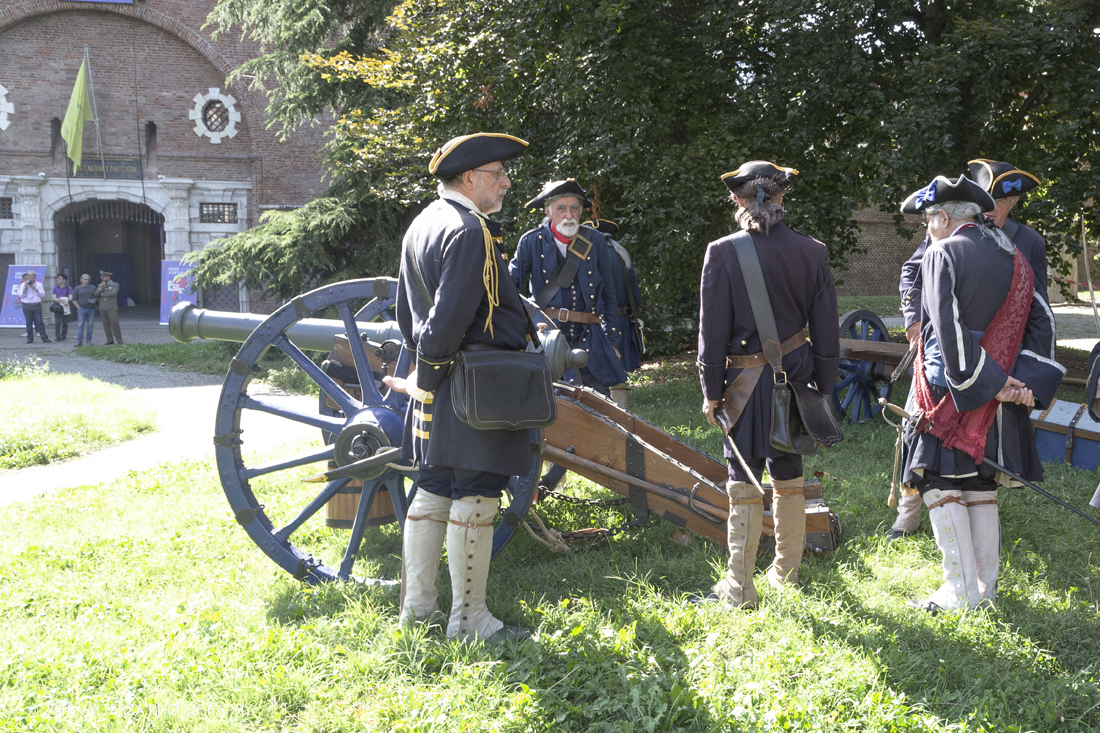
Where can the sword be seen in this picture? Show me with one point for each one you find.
(993, 464)
(727, 429)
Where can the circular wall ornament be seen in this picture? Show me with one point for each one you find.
(215, 115)
(6, 108)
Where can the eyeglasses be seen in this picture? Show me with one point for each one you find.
(499, 173)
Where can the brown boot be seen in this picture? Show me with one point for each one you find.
(789, 513)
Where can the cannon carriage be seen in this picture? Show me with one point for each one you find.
(360, 479)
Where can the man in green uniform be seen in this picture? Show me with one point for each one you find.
(107, 295)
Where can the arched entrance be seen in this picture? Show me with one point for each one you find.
(122, 237)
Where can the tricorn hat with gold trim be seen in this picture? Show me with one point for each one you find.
(467, 152)
(557, 189)
(758, 169)
(943, 190)
(1001, 179)
(603, 226)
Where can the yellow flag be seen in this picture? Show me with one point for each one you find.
(79, 112)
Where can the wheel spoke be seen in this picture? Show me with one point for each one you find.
(331, 424)
(347, 404)
(311, 508)
(371, 395)
(366, 500)
(851, 395)
(847, 380)
(303, 459)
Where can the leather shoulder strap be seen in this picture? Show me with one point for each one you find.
(1010, 228)
(563, 276)
(757, 290)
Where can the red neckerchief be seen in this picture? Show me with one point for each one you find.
(559, 236)
(967, 431)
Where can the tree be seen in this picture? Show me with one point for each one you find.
(648, 102)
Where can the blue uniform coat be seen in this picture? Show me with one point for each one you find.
(455, 248)
(801, 291)
(626, 284)
(593, 291)
(966, 278)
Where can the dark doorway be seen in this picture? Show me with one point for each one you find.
(121, 237)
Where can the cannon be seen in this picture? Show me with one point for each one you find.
(359, 478)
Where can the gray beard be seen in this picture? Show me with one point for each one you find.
(569, 230)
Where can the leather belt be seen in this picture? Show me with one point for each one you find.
(565, 316)
(750, 361)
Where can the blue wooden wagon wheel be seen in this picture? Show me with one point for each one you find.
(362, 430)
(861, 383)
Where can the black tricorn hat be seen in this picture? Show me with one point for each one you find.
(467, 152)
(758, 169)
(1001, 179)
(557, 189)
(603, 226)
(943, 190)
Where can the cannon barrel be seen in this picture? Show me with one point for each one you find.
(188, 322)
(310, 334)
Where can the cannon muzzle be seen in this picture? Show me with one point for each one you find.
(310, 334)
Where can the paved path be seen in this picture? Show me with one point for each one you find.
(185, 404)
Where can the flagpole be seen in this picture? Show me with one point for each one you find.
(137, 119)
(95, 112)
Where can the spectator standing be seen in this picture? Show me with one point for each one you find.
(84, 297)
(30, 295)
(107, 295)
(62, 307)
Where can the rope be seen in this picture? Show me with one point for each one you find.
(553, 538)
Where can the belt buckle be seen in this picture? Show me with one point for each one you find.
(565, 315)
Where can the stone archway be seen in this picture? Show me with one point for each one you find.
(122, 237)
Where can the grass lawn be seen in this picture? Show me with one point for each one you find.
(142, 606)
(51, 417)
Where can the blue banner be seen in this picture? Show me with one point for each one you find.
(11, 312)
(175, 287)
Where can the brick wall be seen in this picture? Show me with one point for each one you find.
(876, 271)
(149, 60)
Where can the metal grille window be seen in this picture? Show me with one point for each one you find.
(215, 115)
(5, 208)
(218, 213)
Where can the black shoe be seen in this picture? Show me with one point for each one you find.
(45, 341)
(927, 606)
(897, 534)
(510, 633)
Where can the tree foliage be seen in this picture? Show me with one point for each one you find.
(648, 102)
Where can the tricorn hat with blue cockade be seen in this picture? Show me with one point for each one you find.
(557, 189)
(467, 152)
(943, 190)
(603, 226)
(1001, 179)
(758, 169)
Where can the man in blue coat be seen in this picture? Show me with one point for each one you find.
(566, 268)
(1007, 184)
(451, 296)
(801, 293)
(628, 296)
(985, 357)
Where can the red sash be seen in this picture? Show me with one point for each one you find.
(967, 431)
